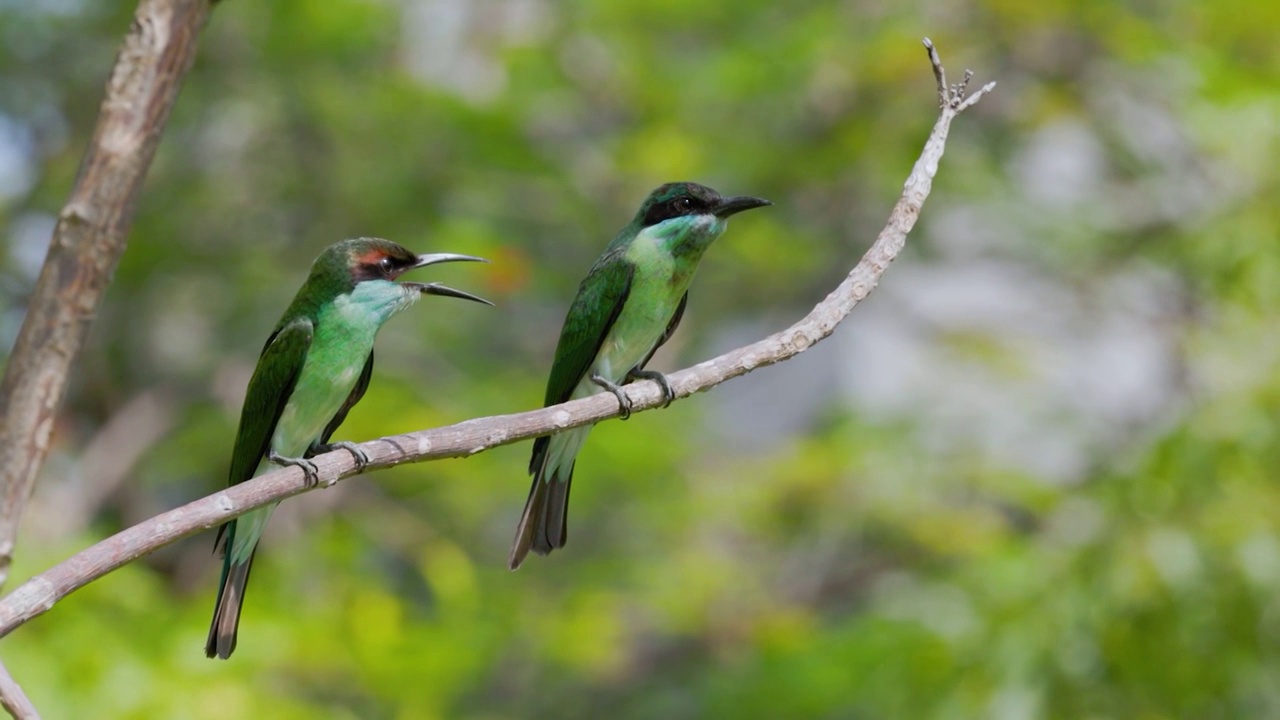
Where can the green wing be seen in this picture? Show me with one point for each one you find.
(599, 301)
(269, 389)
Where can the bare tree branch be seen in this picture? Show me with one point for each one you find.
(87, 243)
(13, 700)
(41, 592)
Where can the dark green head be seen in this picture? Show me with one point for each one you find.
(685, 217)
(681, 199)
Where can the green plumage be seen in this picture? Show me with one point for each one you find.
(628, 305)
(313, 369)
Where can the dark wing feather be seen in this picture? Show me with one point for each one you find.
(666, 334)
(357, 392)
(269, 390)
(596, 307)
(591, 316)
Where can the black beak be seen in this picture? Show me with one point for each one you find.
(437, 288)
(434, 258)
(445, 290)
(734, 205)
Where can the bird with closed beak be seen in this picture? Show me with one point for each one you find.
(628, 305)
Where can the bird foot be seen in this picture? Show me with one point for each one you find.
(623, 400)
(311, 474)
(668, 394)
(360, 456)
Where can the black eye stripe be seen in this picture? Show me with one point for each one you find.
(674, 207)
(381, 269)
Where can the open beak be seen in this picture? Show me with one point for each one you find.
(734, 205)
(445, 290)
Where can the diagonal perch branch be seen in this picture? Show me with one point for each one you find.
(41, 592)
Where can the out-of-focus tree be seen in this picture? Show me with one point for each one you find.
(1032, 476)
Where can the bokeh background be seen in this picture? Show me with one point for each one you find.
(1034, 475)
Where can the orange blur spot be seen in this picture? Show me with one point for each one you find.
(509, 271)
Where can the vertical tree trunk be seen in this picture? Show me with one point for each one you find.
(87, 243)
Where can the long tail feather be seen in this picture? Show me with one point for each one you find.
(226, 611)
(553, 531)
(533, 511)
(544, 525)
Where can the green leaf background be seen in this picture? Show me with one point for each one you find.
(1033, 476)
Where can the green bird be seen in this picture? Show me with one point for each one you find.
(626, 308)
(315, 366)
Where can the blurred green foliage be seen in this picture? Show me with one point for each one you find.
(862, 559)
